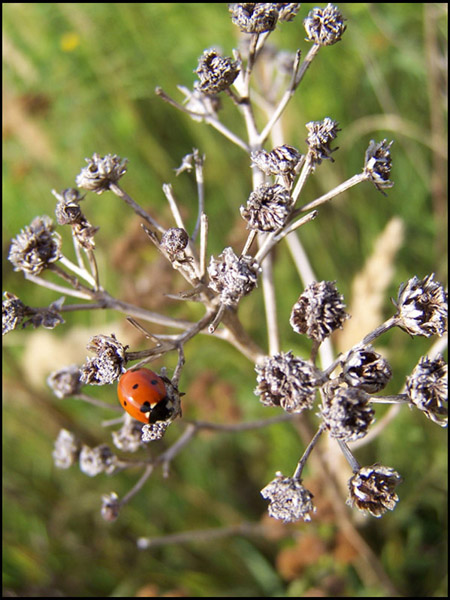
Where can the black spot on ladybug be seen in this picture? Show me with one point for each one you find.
(125, 403)
(154, 382)
(145, 407)
(135, 386)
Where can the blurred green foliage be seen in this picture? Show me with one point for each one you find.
(80, 78)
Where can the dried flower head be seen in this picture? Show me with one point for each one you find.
(320, 136)
(66, 450)
(216, 72)
(174, 241)
(318, 311)
(110, 506)
(325, 26)
(282, 160)
(378, 164)
(364, 368)
(232, 276)
(254, 17)
(290, 501)
(48, 318)
(68, 212)
(100, 459)
(108, 365)
(101, 172)
(287, 381)
(268, 207)
(65, 382)
(427, 388)
(287, 11)
(346, 411)
(154, 431)
(372, 489)
(13, 312)
(36, 247)
(422, 307)
(128, 437)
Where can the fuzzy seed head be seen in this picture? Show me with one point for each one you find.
(372, 489)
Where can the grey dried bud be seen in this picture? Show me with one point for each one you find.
(110, 507)
(36, 247)
(254, 17)
(268, 208)
(101, 172)
(232, 277)
(372, 489)
(287, 381)
(216, 73)
(318, 311)
(282, 160)
(108, 365)
(66, 449)
(325, 26)
(128, 437)
(46, 317)
(320, 136)
(287, 11)
(427, 388)
(154, 431)
(100, 459)
(346, 411)
(65, 382)
(422, 307)
(174, 241)
(290, 501)
(67, 209)
(13, 312)
(378, 164)
(364, 368)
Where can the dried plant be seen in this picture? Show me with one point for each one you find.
(342, 390)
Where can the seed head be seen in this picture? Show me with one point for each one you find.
(128, 437)
(101, 172)
(68, 212)
(287, 11)
(254, 17)
(372, 489)
(100, 459)
(427, 388)
(422, 307)
(36, 247)
(378, 164)
(110, 506)
(282, 160)
(66, 449)
(232, 277)
(268, 208)
(325, 26)
(174, 241)
(13, 312)
(346, 411)
(318, 311)
(287, 381)
(108, 365)
(216, 73)
(364, 368)
(289, 500)
(321, 134)
(65, 382)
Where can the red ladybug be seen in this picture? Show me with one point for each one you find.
(142, 394)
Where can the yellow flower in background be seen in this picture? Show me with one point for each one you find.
(69, 41)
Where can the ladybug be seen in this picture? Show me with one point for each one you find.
(142, 393)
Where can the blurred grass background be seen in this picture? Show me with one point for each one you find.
(80, 78)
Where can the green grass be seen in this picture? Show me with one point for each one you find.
(80, 78)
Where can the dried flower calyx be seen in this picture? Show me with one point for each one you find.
(108, 365)
(65, 382)
(427, 388)
(320, 136)
(254, 17)
(378, 164)
(422, 307)
(268, 208)
(66, 450)
(232, 277)
(216, 73)
(282, 160)
(346, 411)
(325, 26)
(287, 381)
(364, 368)
(101, 172)
(36, 247)
(372, 489)
(68, 212)
(174, 241)
(14, 313)
(100, 459)
(289, 500)
(318, 311)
